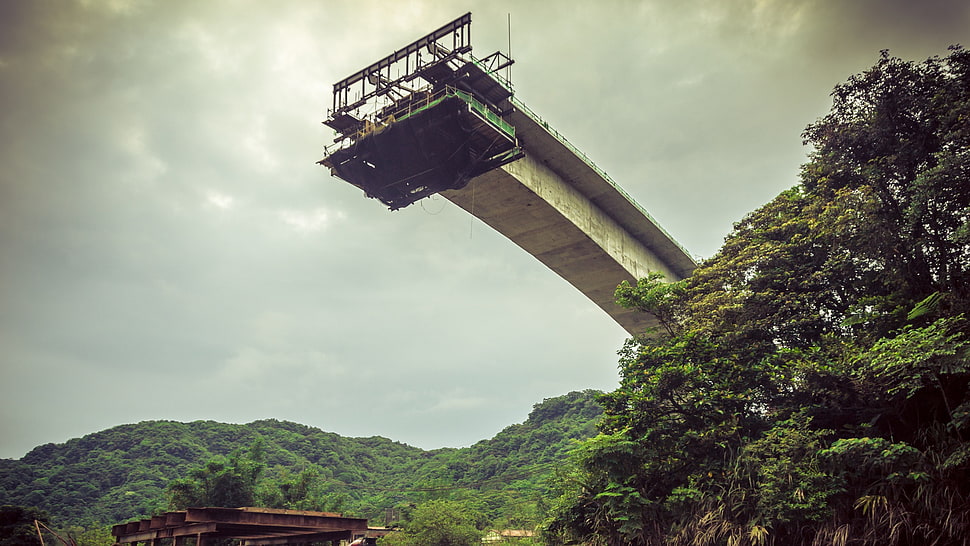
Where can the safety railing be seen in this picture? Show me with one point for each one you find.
(485, 111)
(422, 100)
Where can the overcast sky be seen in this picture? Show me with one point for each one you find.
(170, 250)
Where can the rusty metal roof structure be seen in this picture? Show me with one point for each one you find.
(250, 526)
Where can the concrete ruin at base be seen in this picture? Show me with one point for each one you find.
(250, 526)
(431, 118)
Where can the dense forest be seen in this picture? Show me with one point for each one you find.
(133, 471)
(809, 383)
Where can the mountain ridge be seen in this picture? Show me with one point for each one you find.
(122, 472)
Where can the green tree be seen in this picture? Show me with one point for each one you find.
(298, 491)
(223, 481)
(898, 133)
(17, 525)
(438, 523)
(91, 536)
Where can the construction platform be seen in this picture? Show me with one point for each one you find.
(430, 143)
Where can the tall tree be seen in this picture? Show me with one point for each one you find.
(438, 523)
(17, 525)
(898, 135)
(228, 482)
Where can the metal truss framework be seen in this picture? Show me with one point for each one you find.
(377, 79)
(427, 118)
(423, 66)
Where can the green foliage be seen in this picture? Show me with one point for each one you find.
(223, 481)
(899, 132)
(653, 295)
(297, 491)
(17, 525)
(916, 359)
(438, 523)
(810, 382)
(785, 466)
(91, 536)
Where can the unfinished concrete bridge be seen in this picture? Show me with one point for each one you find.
(432, 118)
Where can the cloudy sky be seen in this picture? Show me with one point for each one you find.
(170, 250)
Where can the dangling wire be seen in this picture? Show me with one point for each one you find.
(431, 197)
(508, 69)
(471, 219)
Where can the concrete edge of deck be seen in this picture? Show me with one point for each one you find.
(538, 137)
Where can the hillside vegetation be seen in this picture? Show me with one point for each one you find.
(124, 472)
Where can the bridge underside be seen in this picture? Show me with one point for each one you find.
(532, 206)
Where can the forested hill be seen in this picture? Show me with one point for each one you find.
(123, 472)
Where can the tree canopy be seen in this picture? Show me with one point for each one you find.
(230, 482)
(809, 382)
(438, 523)
(17, 526)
